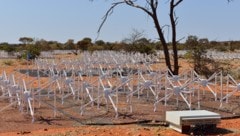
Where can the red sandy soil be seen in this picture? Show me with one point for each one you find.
(13, 123)
(229, 127)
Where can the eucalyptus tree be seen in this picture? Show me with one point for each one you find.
(26, 40)
(84, 43)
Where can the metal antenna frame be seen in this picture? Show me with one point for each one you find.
(235, 87)
(205, 83)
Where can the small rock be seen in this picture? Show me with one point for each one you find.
(25, 132)
(147, 129)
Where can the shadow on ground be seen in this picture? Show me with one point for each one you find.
(209, 131)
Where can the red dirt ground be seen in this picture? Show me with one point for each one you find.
(14, 123)
(229, 127)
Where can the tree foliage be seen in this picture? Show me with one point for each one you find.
(31, 52)
(84, 44)
(69, 45)
(6, 47)
(26, 40)
(100, 42)
(197, 50)
(136, 42)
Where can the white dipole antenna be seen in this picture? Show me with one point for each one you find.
(27, 95)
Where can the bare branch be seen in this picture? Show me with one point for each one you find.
(180, 39)
(176, 18)
(177, 3)
(148, 2)
(129, 3)
(165, 26)
(156, 3)
(108, 13)
(132, 4)
(153, 6)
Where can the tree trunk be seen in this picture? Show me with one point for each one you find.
(152, 12)
(174, 43)
(162, 39)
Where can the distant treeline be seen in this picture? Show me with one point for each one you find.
(142, 45)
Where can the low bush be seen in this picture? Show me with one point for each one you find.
(8, 62)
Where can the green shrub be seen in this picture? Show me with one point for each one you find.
(32, 52)
(95, 48)
(221, 48)
(188, 55)
(8, 62)
(235, 73)
(23, 62)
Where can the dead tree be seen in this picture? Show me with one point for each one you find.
(150, 8)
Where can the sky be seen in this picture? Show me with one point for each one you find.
(60, 20)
